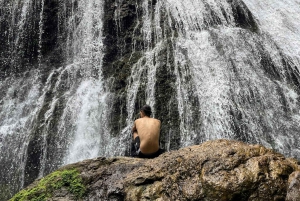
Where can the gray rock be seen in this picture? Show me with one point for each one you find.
(293, 193)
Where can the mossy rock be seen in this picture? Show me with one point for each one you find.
(44, 188)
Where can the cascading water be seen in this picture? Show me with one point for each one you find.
(234, 78)
(245, 86)
(53, 115)
(74, 74)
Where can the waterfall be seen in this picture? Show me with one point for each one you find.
(51, 116)
(89, 99)
(74, 73)
(234, 79)
(18, 111)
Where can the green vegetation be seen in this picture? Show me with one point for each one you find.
(68, 179)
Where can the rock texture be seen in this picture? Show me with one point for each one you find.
(213, 171)
(294, 187)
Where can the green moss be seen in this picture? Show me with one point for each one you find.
(44, 189)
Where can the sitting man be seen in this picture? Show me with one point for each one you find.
(146, 133)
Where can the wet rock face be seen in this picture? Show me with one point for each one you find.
(124, 47)
(119, 24)
(218, 170)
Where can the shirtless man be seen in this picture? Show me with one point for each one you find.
(146, 133)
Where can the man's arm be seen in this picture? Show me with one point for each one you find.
(133, 127)
(159, 132)
(134, 131)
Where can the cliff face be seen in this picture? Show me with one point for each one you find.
(218, 170)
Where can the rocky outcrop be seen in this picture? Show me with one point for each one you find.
(213, 171)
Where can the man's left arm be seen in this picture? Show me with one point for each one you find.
(134, 127)
(134, 131)
(159, 137)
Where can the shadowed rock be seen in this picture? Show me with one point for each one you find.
(213, 171)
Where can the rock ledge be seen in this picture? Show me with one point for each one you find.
(218, 170)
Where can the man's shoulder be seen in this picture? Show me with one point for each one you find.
(157, 120)
(137, 121)
(146, 119)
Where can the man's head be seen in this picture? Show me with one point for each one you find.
(146, 109)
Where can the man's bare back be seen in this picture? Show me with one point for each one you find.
(148, 130)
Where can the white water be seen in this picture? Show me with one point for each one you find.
(78, 87)
(229, 77)
(280, 19)
(17, 115)
(88, 103)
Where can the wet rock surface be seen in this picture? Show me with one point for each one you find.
(213, 171)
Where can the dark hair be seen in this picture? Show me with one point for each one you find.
(147, 110)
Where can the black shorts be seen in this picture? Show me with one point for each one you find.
(138, 152)
(153, 155)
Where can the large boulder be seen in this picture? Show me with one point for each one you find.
(213, 171)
